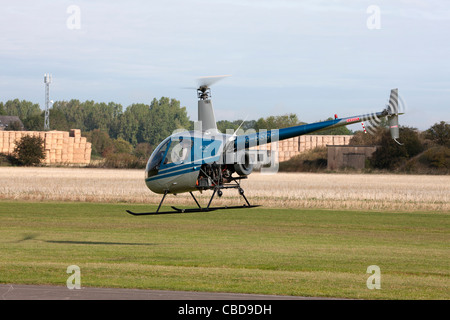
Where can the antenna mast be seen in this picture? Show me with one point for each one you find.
(47, 81)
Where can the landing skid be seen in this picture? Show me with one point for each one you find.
(190, 210)
(199, 209)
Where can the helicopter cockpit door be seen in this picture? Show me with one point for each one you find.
(156, 159)
(179, 152)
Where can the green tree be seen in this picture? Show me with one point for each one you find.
(224, 125)
(391, 155)
(34, 123)
(23, 109)
(335, 131)
(143, 151)
(101, 115)
(15, 126)
(90, 115)
(165, 117)
(152, 123)
(436, 157)
(102, 144)
(278, 122)
(128, 127)
(439, 133)
(58, 120)
(73, 111)
(133, 122)
(29, 150)
(368, 139)
(122, 146)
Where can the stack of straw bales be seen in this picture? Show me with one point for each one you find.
(61, 147)
(291, 147)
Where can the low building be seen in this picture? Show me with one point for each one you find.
(340, 157)
(10, 123)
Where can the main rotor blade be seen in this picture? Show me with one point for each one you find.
(210, 80)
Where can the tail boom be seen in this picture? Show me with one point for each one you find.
(261, 138)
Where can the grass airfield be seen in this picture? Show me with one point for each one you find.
(302, 252)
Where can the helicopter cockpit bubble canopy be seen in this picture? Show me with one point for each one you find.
(183, 152)
(156, 158)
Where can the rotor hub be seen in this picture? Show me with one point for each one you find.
(204, 93)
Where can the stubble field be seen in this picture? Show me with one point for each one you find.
(281, 190)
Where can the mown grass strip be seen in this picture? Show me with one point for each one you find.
(269, 251)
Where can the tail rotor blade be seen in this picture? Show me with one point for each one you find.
(393, 115)
(393, 102)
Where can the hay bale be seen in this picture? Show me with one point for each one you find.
(302, 139)
(12, 138)
(313, 142)
(307, 145)
(75, 133)
(47, 157)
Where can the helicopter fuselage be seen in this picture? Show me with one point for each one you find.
(196, 160)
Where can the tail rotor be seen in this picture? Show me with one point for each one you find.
(394, 108)
(393, 112)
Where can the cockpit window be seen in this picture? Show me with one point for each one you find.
(179, 151)
(155, 160)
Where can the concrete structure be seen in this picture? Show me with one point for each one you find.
(340, 157)
(61, 147)
(291, 147)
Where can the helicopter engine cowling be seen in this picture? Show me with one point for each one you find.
(243, 165)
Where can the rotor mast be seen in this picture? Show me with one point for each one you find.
(205, 108)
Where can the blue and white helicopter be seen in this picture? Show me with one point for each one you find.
(206, 159)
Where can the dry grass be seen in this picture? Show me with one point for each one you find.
(288, 190)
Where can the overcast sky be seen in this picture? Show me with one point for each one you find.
(313, 58)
